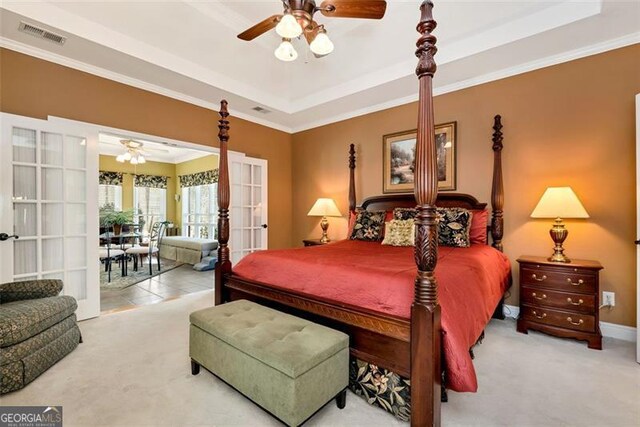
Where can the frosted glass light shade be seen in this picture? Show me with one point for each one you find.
(288, 27)
(141, 159)
(559, 202)
(286, 52)
(324, 207)
(321, 44)
(120, 158)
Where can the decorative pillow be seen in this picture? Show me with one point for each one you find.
(388, 216)
(400, 232)
(404, 213)
(478, 231)
(368, 226)
(454, 225)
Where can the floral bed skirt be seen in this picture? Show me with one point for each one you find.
(380, 387)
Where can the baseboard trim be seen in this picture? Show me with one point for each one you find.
(611, 330)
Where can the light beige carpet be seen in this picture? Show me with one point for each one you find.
(133, 370)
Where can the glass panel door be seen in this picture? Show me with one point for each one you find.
(44, 189)
(248, 216)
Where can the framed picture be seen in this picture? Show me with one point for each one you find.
(399, 157)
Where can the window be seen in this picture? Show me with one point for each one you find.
(200, 211)
(150, 206)
(110, 196)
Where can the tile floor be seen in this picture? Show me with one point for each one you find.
(170, 285)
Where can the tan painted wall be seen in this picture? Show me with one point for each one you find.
(109, 163)
(37, 88)
(185, 168)
(571, 124)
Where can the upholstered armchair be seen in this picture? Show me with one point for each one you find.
(37, 328)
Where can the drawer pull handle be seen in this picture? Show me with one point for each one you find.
(578, 283)
(570, 301)
(578, 323)
(539, 279)
(544, 296)
(542, 316)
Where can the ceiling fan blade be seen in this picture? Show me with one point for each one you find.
(260, 28)
(366, 9)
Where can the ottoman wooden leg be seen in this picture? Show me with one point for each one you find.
(341, 399)
(195, 367)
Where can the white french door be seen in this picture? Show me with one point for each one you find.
(48, 201)
(248, 213)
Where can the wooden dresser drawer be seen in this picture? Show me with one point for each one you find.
(563, 319)
(583, 303)
(582, 282)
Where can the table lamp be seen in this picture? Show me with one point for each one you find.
(558, 203)
(324, 208)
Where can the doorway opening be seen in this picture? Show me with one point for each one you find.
(157, 204)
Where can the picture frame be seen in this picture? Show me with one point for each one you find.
(398, 157)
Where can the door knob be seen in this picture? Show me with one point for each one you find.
(5, 236)
(264, 225)
(637, 242)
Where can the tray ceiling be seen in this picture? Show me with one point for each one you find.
(189, 50)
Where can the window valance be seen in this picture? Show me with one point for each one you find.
(200, 178)
(150, 181)
(110, 178)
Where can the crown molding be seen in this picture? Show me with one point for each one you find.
(486, 78)
(549, 61)
(130, 81)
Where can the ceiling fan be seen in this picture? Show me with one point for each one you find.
(297, 20)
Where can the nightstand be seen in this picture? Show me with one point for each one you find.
(560, 299)
(313, 242)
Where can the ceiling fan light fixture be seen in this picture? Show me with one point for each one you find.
(288, 27)
(120, 158)
(286, 52)
(126, 156)
(321, 44)
(141, 159)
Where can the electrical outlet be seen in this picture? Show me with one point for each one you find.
(609, 299)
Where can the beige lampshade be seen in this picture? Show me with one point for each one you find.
(559, 202)
(324, 207)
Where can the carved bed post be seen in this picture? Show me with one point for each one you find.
(352, 181)
(425, 310)
(497, 190)
(223, 265)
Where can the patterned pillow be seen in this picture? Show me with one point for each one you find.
(404, 213)
(400, 232)
(454, 225)
(368, 226)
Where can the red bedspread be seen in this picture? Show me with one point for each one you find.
(471, 281)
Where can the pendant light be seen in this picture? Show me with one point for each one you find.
(288, 27)
(286, 52)
(321, 44)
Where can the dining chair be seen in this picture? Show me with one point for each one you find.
(107, 254)
(155, 237)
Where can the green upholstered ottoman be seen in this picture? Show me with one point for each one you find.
(289, 366)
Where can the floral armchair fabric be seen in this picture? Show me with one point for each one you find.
(37, 329)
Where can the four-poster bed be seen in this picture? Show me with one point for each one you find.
(408, 344)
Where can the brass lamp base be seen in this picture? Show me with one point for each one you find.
(558, 234)
(324, 224)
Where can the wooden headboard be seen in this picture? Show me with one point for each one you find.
(446, 200)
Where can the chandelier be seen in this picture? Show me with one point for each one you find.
(133, 152)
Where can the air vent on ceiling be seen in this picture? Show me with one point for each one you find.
(261, 110)
(41, 33)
